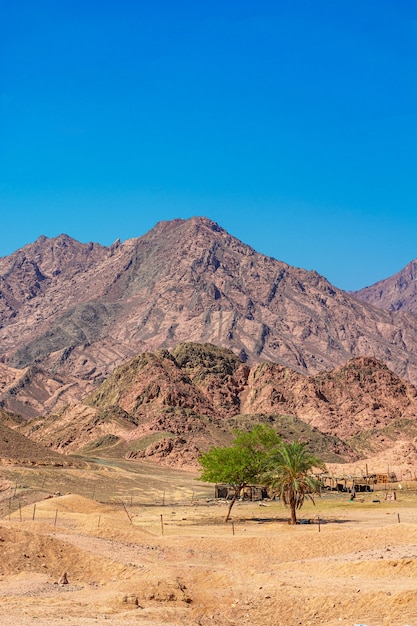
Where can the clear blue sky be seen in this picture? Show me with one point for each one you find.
(293, 124)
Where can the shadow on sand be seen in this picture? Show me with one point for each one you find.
(285, 520)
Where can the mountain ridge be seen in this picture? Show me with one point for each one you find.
(82, 309)
(395, 293)
(169, 406)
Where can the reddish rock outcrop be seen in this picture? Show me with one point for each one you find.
(169, 406)
(361, 395)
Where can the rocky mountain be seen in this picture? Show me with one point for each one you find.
(32, 391)
(396, 293)
(171, 405)
(361, 395)
(80, 310)
(16, 448)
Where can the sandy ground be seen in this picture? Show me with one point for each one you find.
(126, 564)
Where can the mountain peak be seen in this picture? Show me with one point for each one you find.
(83, 308)
(196, 220)
(398, 292)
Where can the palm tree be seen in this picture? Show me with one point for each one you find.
(289, 471)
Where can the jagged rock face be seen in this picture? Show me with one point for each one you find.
(361, 395)
(219, 374)
(169, 406)
(396, 293)
(150, 407)
(149, 384)
(82, 309)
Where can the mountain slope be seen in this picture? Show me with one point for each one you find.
(82, 309)
(31, 391)
(16, 448)
(359, 396)
(170, 406)
(398, 292)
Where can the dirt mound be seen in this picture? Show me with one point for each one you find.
(25, 551)
(380, 568)
(72, 503)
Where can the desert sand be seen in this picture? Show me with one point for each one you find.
(146, 545)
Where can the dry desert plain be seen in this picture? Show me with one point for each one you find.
(143, 544)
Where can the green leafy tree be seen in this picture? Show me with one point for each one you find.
(241, 463)
(289, 471)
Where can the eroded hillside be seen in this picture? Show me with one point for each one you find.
(169, 406)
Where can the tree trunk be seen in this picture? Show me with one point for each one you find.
(235, 497)
(293, 510)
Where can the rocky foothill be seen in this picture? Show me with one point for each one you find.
(168, 406)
